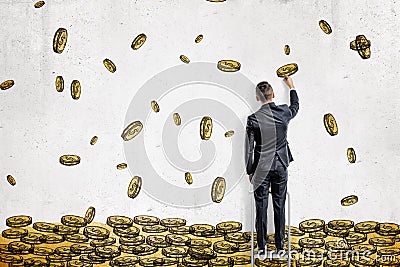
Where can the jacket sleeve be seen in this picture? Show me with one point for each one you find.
(249, 150)
(294, 104)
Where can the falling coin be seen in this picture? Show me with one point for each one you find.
(155, 106)
(349, 200)
(70, 160)
(11, 180)
(39, 4)
(93, 140)
(75, 89)
(218, 189)
(330, 124)
(287, 70)
(60, 40)
(325, 27)
(177, 119)
(89, 215)
(362, 45)
(59, 83)
(6, 84)
(110, 66)
(184, 59)
(229, 133)
(198, 38)
(122, 166)
(228, 65)
(206, 128)
(138, 41)
(188, 178)
(132, 130)
(286, 49)
(134, 187)
(351, 155)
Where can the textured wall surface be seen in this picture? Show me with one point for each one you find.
(38, 124)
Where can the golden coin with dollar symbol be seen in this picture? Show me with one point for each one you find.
(173, 222)
(132, 130)
(154, 228)
(218, 189)
(82, 248)
(66, 230)
(53, 238)
(312, 225)
(355, 238)
(146, 220)
(143, 250)
(200, 242)
(44, 227)
(287, 70)
(138, 41)
(336, 263)
(118, 221)
(340, 224)
(206, 128)
(19, 221)
(175, 252)
(134, 186)
(336, 232)
(307, 242)
(184, 59)
(11, 259)
(221, 262)
(225, 247)
(78, 263)
(124, 261)
(158, 261)
(14, 233)
(122, 166)
(177, 119)
(65, 251)
(286, 49)
(188, 178)
(330, 124)
(229, 227)
(236, 237)
(6, 84)
(201, 229)
(201, 253)
(103, 242)
(93, 140)
(77, 238)
(241, 259)
(180, 230)
(177, 240)
(154, 106)
(96, 232)
(59, 83)
(365, 227)
(35, 261)
(325, 27)
(91, 258)
(131, 231)
(42, 251)
(60, 40)
(108, 252)
(70, 160)
(11, 180)
(132, 241)
(192, 262)
(89, 215)
(388, 229)
(73, 220)
(351, 155)
(157, 241)
(32, 238)
(18, 247)
(76, 89)
(110, 66)
(39, 4)
(349, 200)
(228, 65)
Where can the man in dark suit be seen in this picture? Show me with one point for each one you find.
(268, 157)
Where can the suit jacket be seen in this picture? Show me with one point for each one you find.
(266, 135)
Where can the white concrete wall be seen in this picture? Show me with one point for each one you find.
(38, 124)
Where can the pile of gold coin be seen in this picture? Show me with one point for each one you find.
(146, 240)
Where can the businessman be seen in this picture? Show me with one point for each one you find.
(268, 157)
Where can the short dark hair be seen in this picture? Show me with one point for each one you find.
(264, 90)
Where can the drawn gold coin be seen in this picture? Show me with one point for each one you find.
(340, 224)
(177, 119)
(11, 180)
(206, 128)
(32, 238)
(154, 228)
(77, 238)
(337, 245)
(200, 242)
(192, 262)
(330, 124)
(132, 241)
(131, 231)
(179, 230)
(59, 83)
(201, 253)
(119, 221)
(355, 238)
(103, 242)
(221, 261)
(188, 178)
(19, 221)
(229, 227)
(65, 251)
(157, 261)
(6, 84)
(362, 261)
(70, 160)
(154, 106)
(78, 263)
(94, 140)
(91, 258)
(143, 250)
(225, 247)
(35, 261)
(18, 247)
(336, 232)
(14, 233)
(288, 69)
(11, 259)
(325, 27)
(351, 155)
(336, 263)
(82, 248)
(39, 4)
(122, 166)
(286, 49)
(89, 215)
(42, 251)
(110, 66)
(66, 230)
(307, 242)
(362, 45)
(60, 40)
(146, 220)
(198, 38)
(76, 89)
(201, 229)
(218, 189)
(241, 259)
(388, 229)
(175, 252)
(365, 227)
(184, 59)
(96, 232)
(228, 65)
(138, 41)
(44, 227)
(134, 186)
(172, 222)
(349, 200)
(132, 130)
(157, 241)
(124, 261)
(73, 220)
(312, 225)
(229, 133)
(237, 237)
(177, 240)
(108, 252)
(52, 238)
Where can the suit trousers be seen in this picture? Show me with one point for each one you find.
(277, 178)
